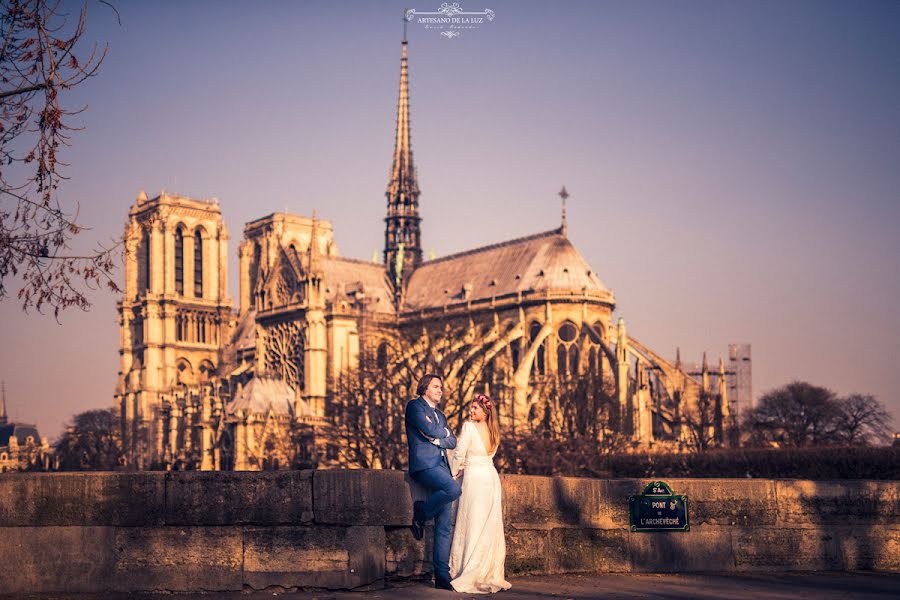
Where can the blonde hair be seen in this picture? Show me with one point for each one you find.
(488, 406)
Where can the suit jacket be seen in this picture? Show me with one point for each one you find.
(424, 424)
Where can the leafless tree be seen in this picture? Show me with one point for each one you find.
(863, 420)
(369, 419)
(577, 427)
(42, 58)
(368, 407)
(797, 414)
(699, 419)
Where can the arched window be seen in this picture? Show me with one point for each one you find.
(567, 351)
(185, 372)
(207, 370)
(562, 360)
(145, 259)
(254, 266)
(538, 367)
(573, 359)
(179, 261)
(198, 264)
(568, 332)
(381, 358)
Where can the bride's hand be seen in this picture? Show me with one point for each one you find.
(459, 474)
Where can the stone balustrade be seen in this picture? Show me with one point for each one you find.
(348, 529)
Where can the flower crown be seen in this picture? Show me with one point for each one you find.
(484, 400)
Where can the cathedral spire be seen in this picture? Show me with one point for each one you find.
(564, 225)
(402, 221)
(314, 253)
(3, 416)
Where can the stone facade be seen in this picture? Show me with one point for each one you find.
(202, 387)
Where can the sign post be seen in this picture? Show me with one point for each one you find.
(658, 509)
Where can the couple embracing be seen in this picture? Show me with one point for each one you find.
(472, 559)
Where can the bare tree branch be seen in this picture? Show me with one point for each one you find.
(41, 58)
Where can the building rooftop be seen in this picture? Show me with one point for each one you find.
(541, 262)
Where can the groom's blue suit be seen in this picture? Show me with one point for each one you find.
(429, 466)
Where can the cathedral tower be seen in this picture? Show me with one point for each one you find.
(402, 241)
(175, 312)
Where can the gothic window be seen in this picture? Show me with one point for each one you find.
(284, 353)
(568, 332)
(137, 330)
(595, 355)
(574, 357)
(145, 260)
(254, 267)
(562, 362)
(514, 354)
(206, 371)
(198, 264)
(381, 358)
(179, 261)
(185, 372)
(567, 351)
(488, 374)
(538, 367)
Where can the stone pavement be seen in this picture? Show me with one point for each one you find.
(781, 586)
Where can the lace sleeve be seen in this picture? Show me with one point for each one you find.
(462, 448)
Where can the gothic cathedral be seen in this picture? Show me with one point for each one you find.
(204, 387)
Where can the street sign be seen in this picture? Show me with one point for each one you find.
(658, 509)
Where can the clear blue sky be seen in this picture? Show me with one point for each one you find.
(733, 165)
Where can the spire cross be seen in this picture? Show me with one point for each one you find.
(563, 194)
(405, 21)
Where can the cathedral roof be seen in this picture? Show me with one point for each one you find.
(21, 431)
(345, 277)
(262, 394)
(245, 333)
(541, 262)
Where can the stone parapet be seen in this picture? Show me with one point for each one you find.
(348, 529)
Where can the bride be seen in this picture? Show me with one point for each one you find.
(479, 548)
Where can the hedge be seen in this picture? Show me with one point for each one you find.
(580, 459)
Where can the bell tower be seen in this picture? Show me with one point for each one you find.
(175, 313)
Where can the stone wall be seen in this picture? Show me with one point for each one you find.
(88, 532)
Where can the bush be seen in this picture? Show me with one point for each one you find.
(580, 458)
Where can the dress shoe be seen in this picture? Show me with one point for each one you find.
(418, 522)
(443, 584)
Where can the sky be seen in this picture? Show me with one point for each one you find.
(733, 166)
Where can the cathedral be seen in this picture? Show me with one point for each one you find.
(202, 386)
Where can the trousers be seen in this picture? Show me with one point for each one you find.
(443, 491)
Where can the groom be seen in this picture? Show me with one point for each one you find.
(429, 438)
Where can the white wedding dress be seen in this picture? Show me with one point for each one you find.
(478, 552)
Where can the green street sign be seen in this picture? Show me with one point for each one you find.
(658, 509)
